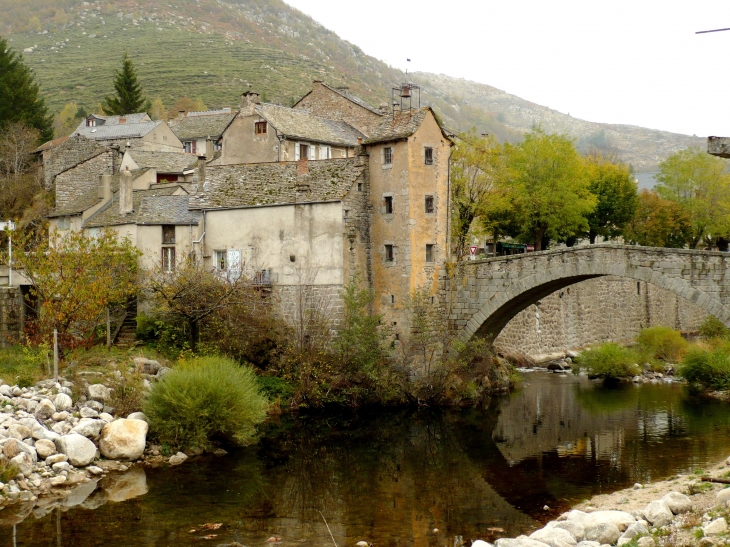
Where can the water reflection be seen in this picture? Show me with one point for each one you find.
(393, 477)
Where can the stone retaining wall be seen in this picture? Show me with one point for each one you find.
(11, 316)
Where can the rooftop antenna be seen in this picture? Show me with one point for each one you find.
(405, 94)
(714, 30)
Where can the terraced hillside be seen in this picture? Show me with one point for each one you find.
(214, 50)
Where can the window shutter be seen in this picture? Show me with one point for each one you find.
(296, 151)
(195, 147)
(234, 264)
(311, 152)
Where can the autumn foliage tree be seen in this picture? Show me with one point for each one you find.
(658, 222)
(700, 185)
(74, 279)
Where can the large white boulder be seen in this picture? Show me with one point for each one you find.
(80, 450)
(24, 463)
(603, 533)
(575, 528)
(723, 496)
(716, 527)
(62, 402)
(549, 534)
(45, 409)
(45, 448)
(620, 519)
(636, 529)
(98, 392)
(89, 428)
(658, 513)
(123, 439)
(677, 503)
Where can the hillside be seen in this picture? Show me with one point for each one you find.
(215, 50)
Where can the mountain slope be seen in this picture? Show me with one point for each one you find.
(215, 50)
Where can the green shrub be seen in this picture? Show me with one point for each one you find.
(609, 361)
(8, 471)
(712, 327)
(709, 369)
(203, 400)
(24, 365)
(663, 343)
(274, 387)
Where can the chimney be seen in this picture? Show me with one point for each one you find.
(302, 167)
(249, 100)
(384, 108)
(201, 172)
(105, 188)
(180, 114)
(126, 205)
(209, 147)
(122, 119)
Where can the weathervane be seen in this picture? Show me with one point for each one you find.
(405, 93)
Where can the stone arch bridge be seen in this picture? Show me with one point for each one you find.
(482, 296)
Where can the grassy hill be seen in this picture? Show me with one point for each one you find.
(215, 50)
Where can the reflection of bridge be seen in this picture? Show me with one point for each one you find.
(484, 295)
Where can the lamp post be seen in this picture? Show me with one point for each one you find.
(9, 226)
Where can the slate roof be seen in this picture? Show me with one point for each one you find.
(258, 184)
(51, 144)
(119, 131)
(400, 125)
(202, 124)
(164, 162)
(153, 206)
(303, 125)
(90, 198)
(138, 117)
(349, 96)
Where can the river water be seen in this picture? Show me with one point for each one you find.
(400, 478)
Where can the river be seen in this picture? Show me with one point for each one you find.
(400, 478)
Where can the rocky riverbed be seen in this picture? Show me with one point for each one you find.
(51, 444)
(681, 511)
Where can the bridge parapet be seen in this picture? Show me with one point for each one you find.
(482, 296)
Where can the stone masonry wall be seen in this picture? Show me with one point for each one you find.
(74, 151)
(324, 102)
(11, 316)
(595, 311)
(309, 307)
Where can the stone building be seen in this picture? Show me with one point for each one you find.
(201, 132)
(296, 198)
(129, 131)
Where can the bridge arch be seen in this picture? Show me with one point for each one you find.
(696, 276)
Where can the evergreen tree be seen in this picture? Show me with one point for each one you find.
(129, 98)
(20, 99)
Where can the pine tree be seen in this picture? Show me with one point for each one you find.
(129, 98)
(20, 99)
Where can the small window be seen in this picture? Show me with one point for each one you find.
(392, 299)
(260, 128)
(168, 259)
(388, 205)
(190, 147)
(429, 204)
(221, 260)
(168, 235)
(389, 253)
(359, 186)
(91, 122)
(428, 156)
(638, 288)
(64, 223)
(429, 252)
(387, 156)
(217, 146)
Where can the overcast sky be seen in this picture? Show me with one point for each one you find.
(636, 62)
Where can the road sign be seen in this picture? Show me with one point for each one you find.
(473, 252)
(9, 225)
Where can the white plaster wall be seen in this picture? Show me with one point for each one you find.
(269, 236)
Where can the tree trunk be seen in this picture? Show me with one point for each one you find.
(592, 237)
(194, 332)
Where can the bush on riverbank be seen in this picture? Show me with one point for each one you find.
(609, 361)
(712, 328)
(708, 368)
(203, 400)
(662, 343)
